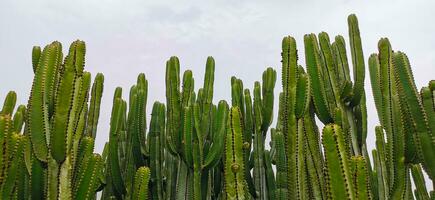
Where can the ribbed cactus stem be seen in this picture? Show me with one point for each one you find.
(173, 104)
(156, 133)
(339, 179)
(141, 181)
(235, 183)
(94, 105)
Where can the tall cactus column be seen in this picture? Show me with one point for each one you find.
(156, 146)
(295, 101)
(262, 114)
(236, 186)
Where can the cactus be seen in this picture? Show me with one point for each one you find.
(141, 181)
(333, 90)
(12, 144)
(195, 149)
(409, 135)
(156, 145)
(236, 186)
(56, 124)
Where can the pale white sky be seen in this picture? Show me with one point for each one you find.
(125, 38)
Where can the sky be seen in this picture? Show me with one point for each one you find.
(125, 38)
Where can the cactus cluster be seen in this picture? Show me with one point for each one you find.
(196, 149)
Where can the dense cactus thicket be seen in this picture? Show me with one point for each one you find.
(195, 147)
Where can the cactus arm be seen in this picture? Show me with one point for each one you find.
(208, 83)
(197, 131)
(362, 186)
(258, 154)
(329, 71)
(197, 187)
(37, 179)
(9, 103)
(335, 180)
(389, 101)
(62, 113)
(94, 107)
(173, 104)
(36, 55)
(5, 123)
(377, 177)
(85, 150)
(141, 182)
(156, 132)
(235, 182)
(39, 101)
(248, 128)
(339, 48)
(142, 85)
(16, 161)
(302, 185)
(383, 181)
(242, 99)
(137, 122)
(338, 174)
(314, 157)
(79, 137)
(88, 178)
(237, 94)
(360, 113)
(188, 127)
(375, 81)
(113, 160)
(289, 121)
(52, 183)
(313, 62)
(217, 148)
(51, 75)
(187, 90)
(18, 120)
(357, 59)
(269, 80)
(303, 95)
(206, 105)
(385, 76)
(420, 185)
(289, 72)
(270, 177)
(22, 182)
(78, 50)
(281, 167)
(345, 85)
(428, 99)
(184, 182)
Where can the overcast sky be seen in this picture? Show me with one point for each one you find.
(125, 38)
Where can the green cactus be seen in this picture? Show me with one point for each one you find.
(12, 144)
(195, 149)
(156, 145)
(409, 137)
(236, 186)
(56, 124)
(332, 88)
(94, 107)
(141, 181)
